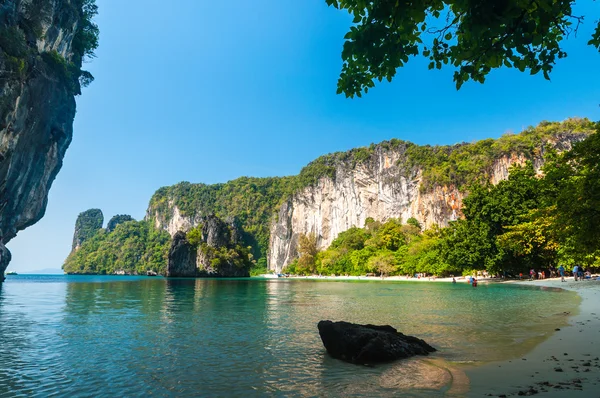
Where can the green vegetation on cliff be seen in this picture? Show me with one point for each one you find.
(496, 216)
(252, 201)
(132, 247)
(522, 223)
(18, 39)
(87, 225)
(116, 220)
(457, 165)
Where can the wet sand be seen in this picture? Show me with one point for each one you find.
(567, 364)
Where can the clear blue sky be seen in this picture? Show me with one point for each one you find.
(207, 91)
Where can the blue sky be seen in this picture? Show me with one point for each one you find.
(207, 91)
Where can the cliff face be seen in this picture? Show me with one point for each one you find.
(216, 252)
(172, 220)
(393, 179)
(182, 257)
(37, 107)
(379, 188)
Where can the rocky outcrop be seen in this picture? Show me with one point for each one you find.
(87, 225)
(182, 257)
(5, 257)
(368, 344)
(116, 220)
(215, 232)
(219, 252)
(173, 221)
(38, 80)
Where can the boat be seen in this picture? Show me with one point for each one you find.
(151, 273)
(11, 273)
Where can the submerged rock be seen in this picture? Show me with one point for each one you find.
(369, 343)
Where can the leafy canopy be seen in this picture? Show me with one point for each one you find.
(473, 36)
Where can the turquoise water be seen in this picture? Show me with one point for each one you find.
(130, 336)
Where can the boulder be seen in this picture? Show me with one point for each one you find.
(367, 344)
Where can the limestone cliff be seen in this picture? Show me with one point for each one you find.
(40, 62)
(213, 250)
(393, 179)
(382, 187)
(86, 226)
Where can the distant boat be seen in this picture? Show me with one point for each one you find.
(12, 273)
(151, 273)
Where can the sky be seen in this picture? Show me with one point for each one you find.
(208, 91)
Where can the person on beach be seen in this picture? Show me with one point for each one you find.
(453, 280)
(581, 273)
(531, 274)
(561, 270)
(575, 272)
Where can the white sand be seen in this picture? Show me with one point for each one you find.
(580, 376)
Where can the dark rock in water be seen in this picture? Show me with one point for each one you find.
(182, 257)
(369, 343)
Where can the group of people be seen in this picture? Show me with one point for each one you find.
(579, 273)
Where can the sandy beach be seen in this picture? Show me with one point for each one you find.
(567, 364)
(376, 278)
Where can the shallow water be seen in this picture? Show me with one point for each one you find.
(129, 336)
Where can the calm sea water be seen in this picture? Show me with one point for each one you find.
(128, 336)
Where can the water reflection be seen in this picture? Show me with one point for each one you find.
(184, 337)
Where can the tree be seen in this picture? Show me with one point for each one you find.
(573, 182)
(307, 252)
(532, 242)
(384, 263)
(473, 36)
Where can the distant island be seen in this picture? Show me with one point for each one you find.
(504, 206)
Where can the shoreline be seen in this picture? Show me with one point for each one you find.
(460, 279)
(565, 364)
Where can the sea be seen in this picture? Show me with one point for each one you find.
(127, 336)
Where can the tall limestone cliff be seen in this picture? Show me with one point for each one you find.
(42, 45)
(399, 180)
(393, 179)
